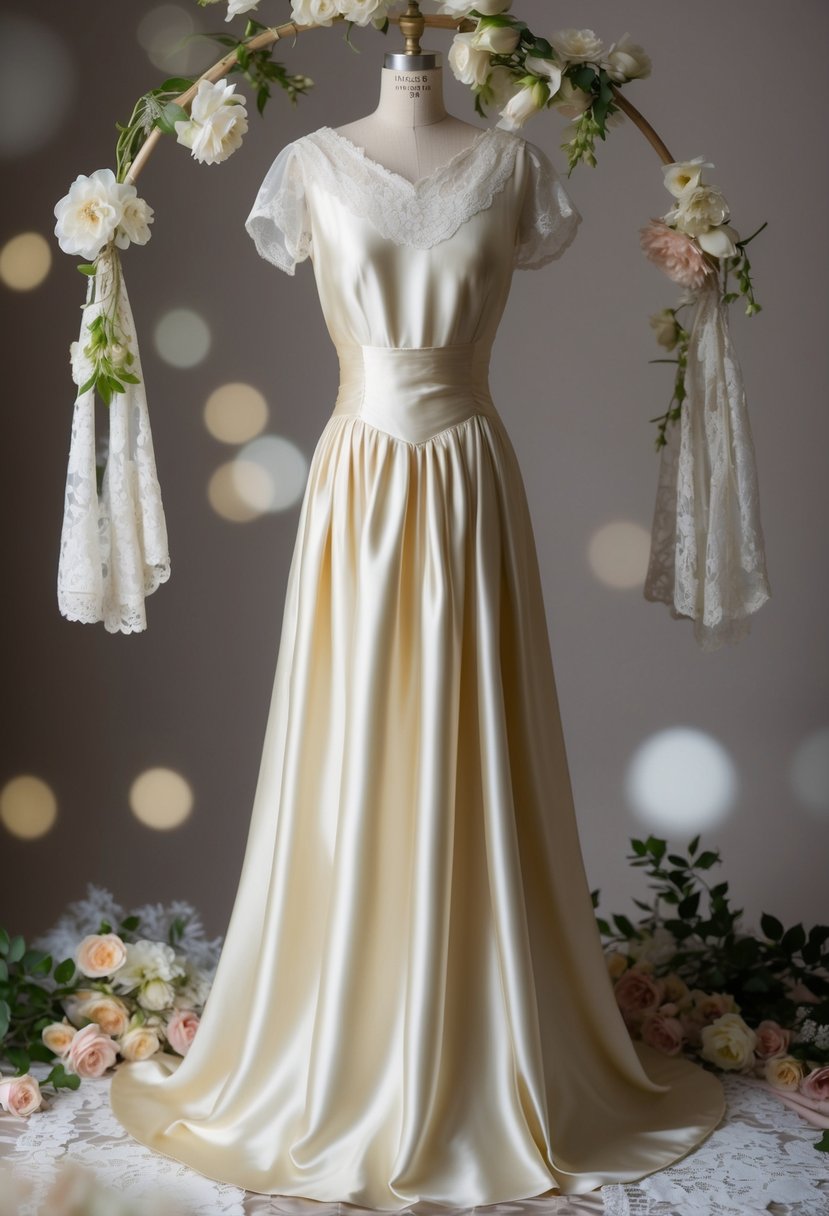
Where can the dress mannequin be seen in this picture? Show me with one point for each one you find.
(411, 133)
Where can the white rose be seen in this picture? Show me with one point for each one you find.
(469, 64)
(235, 7)
(728, 1042)
(578, 46)
(89, 214)
(719, 242)
(146, 961)
(488, 8)
(684, 175)
(136, 216)
(138, 1043)
(497, 39)
(570, 101)
(361, 12)
(218, 120)
(314, 12)
(698, 209)
(523, 104)
(156, 994)
(547, 68)
(626, 60)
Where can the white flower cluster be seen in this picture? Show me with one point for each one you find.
(700, 211)
(324, 12)
(98, 209)
(541, 80)
(218, 120)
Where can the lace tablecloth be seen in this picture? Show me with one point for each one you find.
(761, 1159)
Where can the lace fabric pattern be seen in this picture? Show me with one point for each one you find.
(707, 559)
(760, 1159)
(113, 550)
(420, 214)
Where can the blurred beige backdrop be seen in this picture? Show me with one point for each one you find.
(661, 737)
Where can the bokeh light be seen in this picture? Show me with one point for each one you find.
(25, 261)
(182, 337)
(235, 413)
(165, 33)
(28, 807)
(681, 780)
(161, 798)
(809, 771)
(37, 85)
(285, 465)
(618, 554)
(240, 491)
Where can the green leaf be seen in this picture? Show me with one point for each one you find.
(793, 939)
(129, 377)
(37, 962)
(689, 905)
(624, 926)
(583, 77)
(638, 847)
(177, 83)
(822, 1145)
(707, 859)
(171, 114)
(771, 926)
(5, 1017)
(86, 267)
(17, 948)
(692, 847)
(604, 927)
(676, 860)
(65, 970)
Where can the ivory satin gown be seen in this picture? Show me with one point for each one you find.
(412, 1004)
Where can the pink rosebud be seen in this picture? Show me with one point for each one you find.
(20, 1095)
(638, 993)
(677, 255)
(91, 1052)
(181, 1030)
(772, 1039)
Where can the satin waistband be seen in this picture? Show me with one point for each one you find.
(414, 392)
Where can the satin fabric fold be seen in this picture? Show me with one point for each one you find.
(412, 1004)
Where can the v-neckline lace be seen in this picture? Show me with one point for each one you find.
(421, 183)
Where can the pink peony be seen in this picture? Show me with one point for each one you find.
(91, 1052)
(772, 1039)
(664, 1032)
(181, 1030)
(638, 993)
(676, 254)
(816, 1084)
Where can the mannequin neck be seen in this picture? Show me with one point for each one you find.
(411, 99)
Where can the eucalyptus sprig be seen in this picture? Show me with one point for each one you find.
(260, 69)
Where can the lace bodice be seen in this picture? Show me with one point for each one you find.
(412, 264)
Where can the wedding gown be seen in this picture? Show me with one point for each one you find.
(412, 1003)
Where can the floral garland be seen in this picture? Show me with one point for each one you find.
(709, 568)
(686, 980)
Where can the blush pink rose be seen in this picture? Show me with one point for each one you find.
(664, 1032)
(91, 1052)
(638, 993)
(20, 1095)
(677, 255)
(181, 1030)
(772, 1039)
(816, 1084)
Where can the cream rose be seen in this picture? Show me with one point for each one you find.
(469, 64)
(100, 954)
(617, 963)
(626, 60)
(729, 1043)
(91, 1052)
(496, 39)
(314, 12)
(20, 1095)
(772, 1039)
(218, 120)
(784, 1072)
(548, 69)
(663, 1031)
(578, 46)
(711, 1005)
(676, 989)
(57, 1036)
(181, 1030)
(139, 1043)
(74, 1003)
(522, 105)
(108, 1012)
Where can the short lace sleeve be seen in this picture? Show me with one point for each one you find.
(279, 222)
(548, 221)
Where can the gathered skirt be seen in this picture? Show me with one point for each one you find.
(412, 1002)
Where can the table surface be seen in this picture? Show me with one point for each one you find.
(760, 1159)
